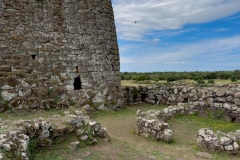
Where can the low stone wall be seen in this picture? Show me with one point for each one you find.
(15, 142)
(154, 123)
(207, 139)
(226, 98)
(219, 97)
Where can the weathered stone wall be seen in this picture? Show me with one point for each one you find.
(210, 141)
(154, 123)
(225, 98)
(59, 49)
(19, 139)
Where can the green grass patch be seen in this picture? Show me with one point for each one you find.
(128, 110)
(197, 122)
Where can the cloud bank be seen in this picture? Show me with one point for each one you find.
(136, 18)
(208, 55)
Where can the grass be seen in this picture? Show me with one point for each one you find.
(203, 122)
(187, 81)
(134, 83)
(189, 125)
(129, 110)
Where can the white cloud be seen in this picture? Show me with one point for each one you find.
(166, 15)
(175, 62)
(156, 40)
(211, 53)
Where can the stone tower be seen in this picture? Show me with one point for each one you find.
(58, 51)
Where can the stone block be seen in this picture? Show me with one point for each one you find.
(5, 68)
(221, 92)
(237, 102)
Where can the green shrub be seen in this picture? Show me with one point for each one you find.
(172, 78)
(198, 78)
(200, 81)
(233, 78)
(211, 81)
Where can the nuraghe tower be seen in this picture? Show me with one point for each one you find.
(59, 51)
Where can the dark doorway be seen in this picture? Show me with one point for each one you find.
(33, 56)
(77, 83)
(76, 69)
(135, 98)
(143, 97)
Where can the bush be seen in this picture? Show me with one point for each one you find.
(172, 78)
(211, 81)
(224, 75)
(200, 81)
(141, 78)
(197, 78)
(233, 78)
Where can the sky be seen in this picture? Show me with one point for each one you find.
(178, 35)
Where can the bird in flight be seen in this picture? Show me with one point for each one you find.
(135, 22)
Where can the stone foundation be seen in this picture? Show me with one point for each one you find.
(16, 139)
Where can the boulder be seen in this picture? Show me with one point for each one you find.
(221, 92)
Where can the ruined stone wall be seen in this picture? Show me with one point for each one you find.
(16, 141)
(220, 98)
(59, 49)
(153, 123)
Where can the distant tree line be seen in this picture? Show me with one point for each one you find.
(174, 76)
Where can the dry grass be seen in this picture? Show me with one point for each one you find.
(133, 83)
(187, 81)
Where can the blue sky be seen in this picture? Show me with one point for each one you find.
(178, 35)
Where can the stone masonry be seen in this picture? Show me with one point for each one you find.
(59, 50)
(19, 137)
(224, 98)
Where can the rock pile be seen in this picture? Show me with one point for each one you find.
(207, 139)
(149, 125)
(16, 141)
